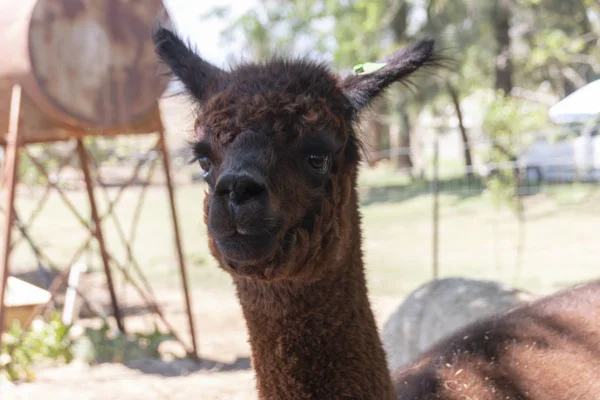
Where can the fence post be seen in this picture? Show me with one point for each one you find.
(435, 189)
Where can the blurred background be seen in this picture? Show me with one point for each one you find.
(488, 169)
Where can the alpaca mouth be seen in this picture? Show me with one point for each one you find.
(253, 241)
(256, 256)
(242, 249)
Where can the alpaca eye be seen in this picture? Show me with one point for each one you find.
(204, 164)
(320, 162)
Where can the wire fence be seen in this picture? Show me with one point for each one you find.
(529, 221)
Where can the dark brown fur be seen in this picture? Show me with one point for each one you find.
(549, 349)
(289, 234)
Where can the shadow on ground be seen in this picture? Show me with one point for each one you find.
(182, 367)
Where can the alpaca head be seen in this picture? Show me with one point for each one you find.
(278, 147)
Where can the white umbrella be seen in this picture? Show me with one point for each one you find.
(580, 106)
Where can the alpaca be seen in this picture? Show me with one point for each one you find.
(278, 146)
(437, 309)
(548, 349)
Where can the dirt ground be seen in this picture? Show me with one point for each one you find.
(223, 374)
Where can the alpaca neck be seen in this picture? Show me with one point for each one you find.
(317, 340)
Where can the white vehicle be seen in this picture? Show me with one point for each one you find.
(566, 157)
(573, 154)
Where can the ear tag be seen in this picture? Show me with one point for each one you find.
(368, 68)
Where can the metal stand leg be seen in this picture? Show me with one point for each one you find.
(182, 269)
(11, 163)
(83, 157)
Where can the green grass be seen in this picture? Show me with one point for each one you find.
(476, 240)
(479, 242)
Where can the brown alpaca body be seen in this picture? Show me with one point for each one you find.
(549, 349)
(306, 354)
(280, 153)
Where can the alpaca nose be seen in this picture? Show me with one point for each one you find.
(240, 187)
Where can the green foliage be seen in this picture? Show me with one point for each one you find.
(554, 45)
(559, 51)
(52, 341)
(43, 341)
(103, 345)
(505, 122)
(508, 117)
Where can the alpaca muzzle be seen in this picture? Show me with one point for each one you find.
(241, 218)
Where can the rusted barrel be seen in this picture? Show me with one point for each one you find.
(83, 63)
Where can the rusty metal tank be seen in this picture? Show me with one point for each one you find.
(82, 63)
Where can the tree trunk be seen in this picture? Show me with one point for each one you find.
(504, 67)
(395, 147)
(463, 131)
(401, 158)
(374, 131)
(587, 71)
(404, 159)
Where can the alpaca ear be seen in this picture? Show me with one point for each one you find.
(195, 73)
(370, 82)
